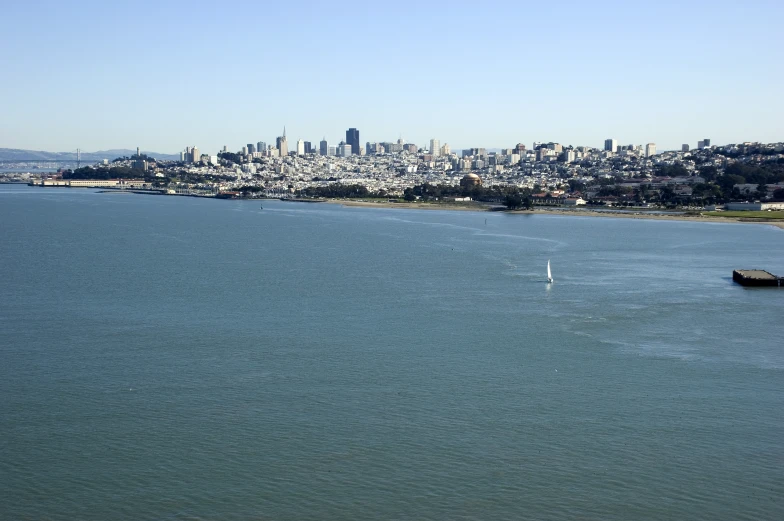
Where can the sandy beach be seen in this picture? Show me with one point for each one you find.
(481, 207)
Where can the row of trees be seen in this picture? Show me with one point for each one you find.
(339, 190)
(430, 192)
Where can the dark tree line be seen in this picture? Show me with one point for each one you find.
(429, 192)
(337, 190)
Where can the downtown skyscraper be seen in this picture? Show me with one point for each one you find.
(352, 138)
(282, 144)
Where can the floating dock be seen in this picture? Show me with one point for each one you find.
(756, 278)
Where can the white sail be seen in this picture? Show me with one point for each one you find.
(549, 274)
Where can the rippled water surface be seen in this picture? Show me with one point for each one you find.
(182, 358)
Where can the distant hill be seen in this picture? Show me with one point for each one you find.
(15, 154)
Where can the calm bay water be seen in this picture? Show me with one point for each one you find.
(181, 358)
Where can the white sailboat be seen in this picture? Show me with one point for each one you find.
(549, 274)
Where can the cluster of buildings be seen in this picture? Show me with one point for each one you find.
(548, 168)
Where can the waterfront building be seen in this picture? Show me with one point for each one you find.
(650, 149)
(352, 139)
(435, 147)
(324, 147)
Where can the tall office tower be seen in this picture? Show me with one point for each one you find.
(650, 149)
(706, 141)
(569, 156)
(446, 149)
(520, 148)
(323, 147)
(435, 147)
(345, 149)
(332, 151)
(611, 145)
(370, 148)
(261, 146)
(182, 157)
(352, 138)
(245, 150)
(251, 148)
(700, 144)
(300, 147)
(685, 147)
(282, 145)
(195, 156)
(308, 147)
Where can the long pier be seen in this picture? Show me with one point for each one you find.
(757, 278)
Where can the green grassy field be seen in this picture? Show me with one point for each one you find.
(748, 214)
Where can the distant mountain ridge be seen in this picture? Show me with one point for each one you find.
(16, 154)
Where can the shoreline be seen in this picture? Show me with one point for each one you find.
(488, 207)
(559, 212)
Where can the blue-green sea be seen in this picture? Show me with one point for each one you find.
(176, 358)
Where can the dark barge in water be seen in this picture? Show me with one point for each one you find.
(756, 278)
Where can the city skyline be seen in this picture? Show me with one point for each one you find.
(666, 74)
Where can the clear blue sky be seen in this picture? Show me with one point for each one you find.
(163, 75)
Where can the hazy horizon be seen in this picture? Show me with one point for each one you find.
(99, 77)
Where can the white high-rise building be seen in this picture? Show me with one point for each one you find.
(435, 148)
(569, 156)
(650, 149)
(446, 150)
(300, 147)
